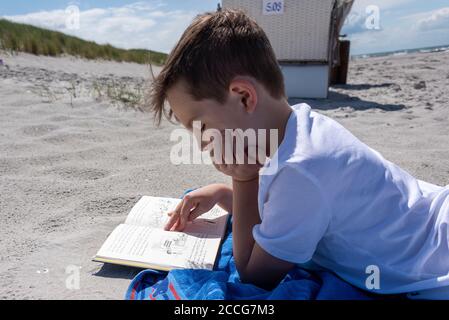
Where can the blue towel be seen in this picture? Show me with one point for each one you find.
(224, 283)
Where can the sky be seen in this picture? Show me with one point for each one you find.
(372, 26)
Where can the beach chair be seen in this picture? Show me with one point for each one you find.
(305, 37)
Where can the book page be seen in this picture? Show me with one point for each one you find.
(162, 248)
(213, 227)
(152, 212)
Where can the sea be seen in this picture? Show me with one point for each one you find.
(402, 52)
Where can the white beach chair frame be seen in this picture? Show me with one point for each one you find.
(304, 39)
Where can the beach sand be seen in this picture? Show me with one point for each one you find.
(73, 162)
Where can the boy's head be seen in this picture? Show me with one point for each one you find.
(221, 69)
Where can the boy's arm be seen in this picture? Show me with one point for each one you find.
(253, 263)
(225, 196)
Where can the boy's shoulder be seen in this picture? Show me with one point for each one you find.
(309, 134)
(314, 143)
(291, 150)
(315, 134)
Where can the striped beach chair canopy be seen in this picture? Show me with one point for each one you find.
(300, 31)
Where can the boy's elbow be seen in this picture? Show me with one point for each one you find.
(263, 282)
(262, 269)
(245, 276)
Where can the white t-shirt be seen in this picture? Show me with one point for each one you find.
(336, 203)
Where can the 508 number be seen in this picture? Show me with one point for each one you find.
(275, 6)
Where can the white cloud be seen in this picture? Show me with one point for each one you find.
(362, 14)
(361, 22)
(421, 29)
(394, 38)
(360, 5)
(367, 15)
(383, 40)
(354, 23)
(137, 25)
(438, 19)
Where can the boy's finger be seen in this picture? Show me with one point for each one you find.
(175, 226)
(195, 213)
(238, 157)
(251, 158)
(216, 153)
(171, 221)
(215, 159)
(228, 152)
(173, 216)
(186, 207)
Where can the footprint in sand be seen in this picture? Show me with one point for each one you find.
(52, 224)
(60, 118)
(409, 116)
(110, 205)
(71, 138)
(73, 173)
(121, 123)
(429, 106)
(39, 130)
(10, 166)
(420, 85)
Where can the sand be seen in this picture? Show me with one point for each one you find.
(72, 163)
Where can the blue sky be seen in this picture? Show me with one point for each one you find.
(20, 7)
(158, 24)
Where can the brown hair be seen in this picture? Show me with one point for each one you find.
(215, 48)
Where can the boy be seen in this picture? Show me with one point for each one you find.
(332, 201)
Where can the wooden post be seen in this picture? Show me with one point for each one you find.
(342, 74)
(339, 73)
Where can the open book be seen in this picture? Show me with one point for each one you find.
(142, 241)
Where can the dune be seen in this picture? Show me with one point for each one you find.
(75, 159)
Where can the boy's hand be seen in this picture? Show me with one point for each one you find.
(240, 172)
(197, 202)
(231, 166)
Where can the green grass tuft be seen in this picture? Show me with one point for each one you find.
(39, 41)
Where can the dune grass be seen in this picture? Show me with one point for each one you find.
(39, 41)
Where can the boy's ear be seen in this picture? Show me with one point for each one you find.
(246, 92)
